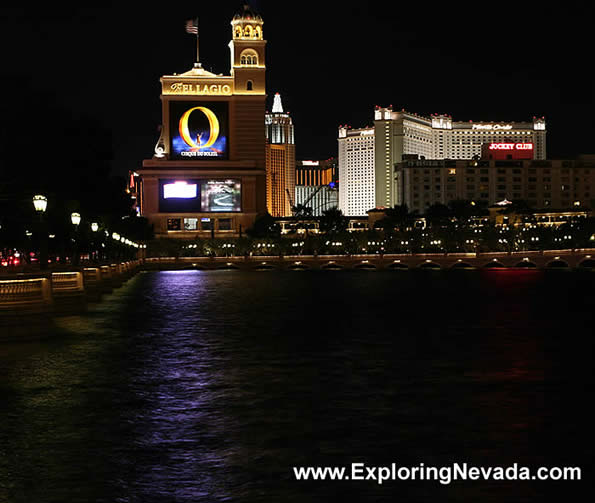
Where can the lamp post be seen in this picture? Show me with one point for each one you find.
(75, 218)
(40, 203)
(95, 228)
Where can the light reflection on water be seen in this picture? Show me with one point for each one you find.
(209, 386)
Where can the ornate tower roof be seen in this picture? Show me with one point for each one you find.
(246, 13)
(247, 24)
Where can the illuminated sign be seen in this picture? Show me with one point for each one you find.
(200, 196)
(198, 130)
(511, 146)
(221, 195)
(197, 85)
(199, 89)
(179, 196)
(181, 190)
(492, 127)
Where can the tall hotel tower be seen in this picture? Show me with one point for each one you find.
(207, 176)
(280, 160)
(356, 171)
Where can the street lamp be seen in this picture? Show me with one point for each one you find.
(95, 228)
(75, 218)
(40, 203)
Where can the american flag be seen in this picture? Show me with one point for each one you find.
(192, 26)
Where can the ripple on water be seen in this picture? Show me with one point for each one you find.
(210, 386)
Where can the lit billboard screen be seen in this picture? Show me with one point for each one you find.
(198, 130)
(180, 190)
(221, 195)
(194, 196)
(179, 196)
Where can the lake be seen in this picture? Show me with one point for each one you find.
(209, 386)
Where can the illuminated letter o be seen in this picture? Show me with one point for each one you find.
(213, 127)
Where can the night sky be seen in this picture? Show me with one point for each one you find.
(331, 61)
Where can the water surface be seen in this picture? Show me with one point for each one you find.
(210, 386)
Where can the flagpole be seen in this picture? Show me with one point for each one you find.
(197, 58)
(197, 53)
(192, 27)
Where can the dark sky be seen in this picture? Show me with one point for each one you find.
(332, 62)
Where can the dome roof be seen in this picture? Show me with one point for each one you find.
(247, 13)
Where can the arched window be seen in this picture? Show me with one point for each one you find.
(238, 31)
(249, 57)
(258, 32)
(249, 85)
(248, 31)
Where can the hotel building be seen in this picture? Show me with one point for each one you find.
(399, 133)
(356, 171)
(563, 184)
(439, 137)
(207, 176)
(280, 160)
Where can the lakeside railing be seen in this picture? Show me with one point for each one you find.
(546, 259)
(30, 297)
(23, 292)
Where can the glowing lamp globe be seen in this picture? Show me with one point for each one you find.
(94, 226)
(75, 218)
(40, 203)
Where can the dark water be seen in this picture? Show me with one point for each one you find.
(211, 386)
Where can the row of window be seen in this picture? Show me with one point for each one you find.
(471, 170)
(199, 224)
(250, 59)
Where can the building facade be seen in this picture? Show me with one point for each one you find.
(356, 170)
(207, 176)
(398, 133)
(280, 160)
(317, 185)
(555, 184)
(317, 172)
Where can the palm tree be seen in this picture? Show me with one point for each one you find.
(397, 217)
(302, 213)
(333, 221)
(264, 226)
(438, 215)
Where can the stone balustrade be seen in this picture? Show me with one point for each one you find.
(92, 282)
(580, 259)
(29, 300)
(25, 292)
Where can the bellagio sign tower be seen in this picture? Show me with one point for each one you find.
(207, 176)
